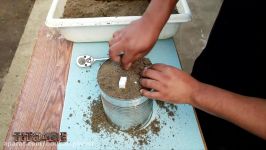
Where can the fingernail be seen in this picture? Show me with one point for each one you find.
(128, 66)
(145, 68)
(141, 91)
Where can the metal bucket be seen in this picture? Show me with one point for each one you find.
(127, 113)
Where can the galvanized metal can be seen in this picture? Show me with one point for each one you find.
(126, 114)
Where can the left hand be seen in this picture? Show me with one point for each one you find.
(169, 84)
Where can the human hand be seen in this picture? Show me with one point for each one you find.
(169, 84)
(135, 41)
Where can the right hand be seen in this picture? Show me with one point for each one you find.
(169, 83)
(135, 41)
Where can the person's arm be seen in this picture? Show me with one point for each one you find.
(247, 112)
(175, 86)
(138, 38)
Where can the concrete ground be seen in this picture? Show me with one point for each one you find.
(192, 36)
(190, 40)
(11, 29)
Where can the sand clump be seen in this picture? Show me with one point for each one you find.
(109, 75)
(100, 123)
(96, 120)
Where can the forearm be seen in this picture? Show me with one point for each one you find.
(247, 112)
(158, 13)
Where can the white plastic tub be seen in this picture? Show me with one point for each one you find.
(102, 28)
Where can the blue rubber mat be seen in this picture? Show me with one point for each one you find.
(178, 131)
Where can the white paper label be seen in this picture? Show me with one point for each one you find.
(122, 82)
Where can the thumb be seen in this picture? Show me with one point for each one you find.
(115, 50)
(127, 60)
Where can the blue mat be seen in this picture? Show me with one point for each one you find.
(178, 132)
